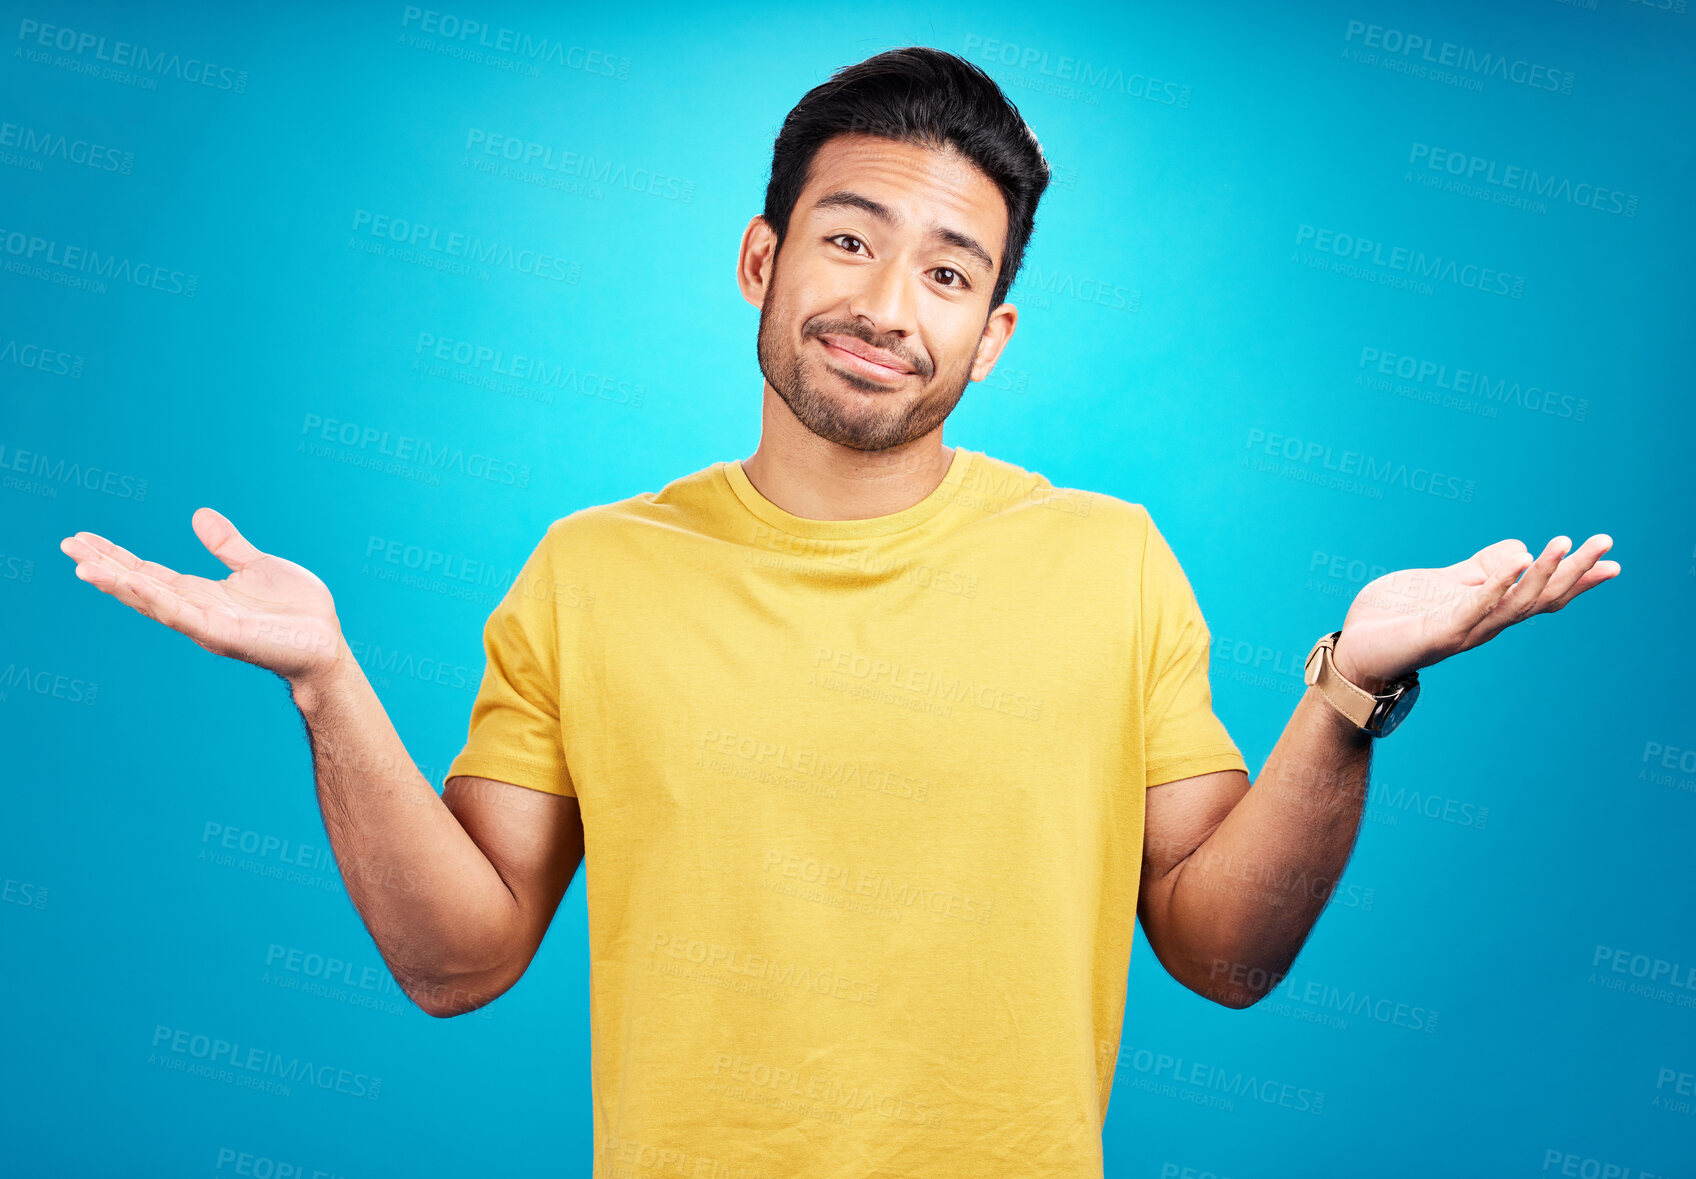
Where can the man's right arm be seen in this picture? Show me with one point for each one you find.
(456, 890)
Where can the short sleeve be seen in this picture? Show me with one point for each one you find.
(1182, 737)
(515, 733)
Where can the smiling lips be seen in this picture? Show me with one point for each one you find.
(863, 358)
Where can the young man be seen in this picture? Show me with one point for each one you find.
(873, 748)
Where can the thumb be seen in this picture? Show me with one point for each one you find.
(221, 538)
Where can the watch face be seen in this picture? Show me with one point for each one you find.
(1398, 710)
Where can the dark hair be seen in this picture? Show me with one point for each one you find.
(930, 98)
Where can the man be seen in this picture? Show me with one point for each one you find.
(872, 748)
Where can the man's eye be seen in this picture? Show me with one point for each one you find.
(962, 284)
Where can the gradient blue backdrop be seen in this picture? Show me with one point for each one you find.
(1503, 986)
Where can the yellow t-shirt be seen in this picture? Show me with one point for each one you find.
(863, 811)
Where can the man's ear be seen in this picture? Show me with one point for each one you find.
(756, 259)
(997, 330)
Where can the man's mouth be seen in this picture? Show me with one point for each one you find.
(864, 359)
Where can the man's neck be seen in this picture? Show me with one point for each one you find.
(822, 480)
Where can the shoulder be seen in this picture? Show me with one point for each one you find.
(997, 485)
(584, 551)
(679, 502)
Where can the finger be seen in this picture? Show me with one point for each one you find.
(1475, 569)
(1604, 571)
(89, 547)
(1575, 566)
(1523, 597)
(132, 586)
(1580, 571)
(222, 538)
(1475, 609)
(105, 576)
(156, 601)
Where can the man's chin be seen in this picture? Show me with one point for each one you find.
(856, 430)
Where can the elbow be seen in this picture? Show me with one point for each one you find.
(430, 1000)
(1224, 978)
(1207, 955)
(1221, 990)
(1230, 982)
(446, 999)
(436, 1007)
(446, 1012)
(1235, 1000)
(447, 1008)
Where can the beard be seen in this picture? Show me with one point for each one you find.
(827, 405)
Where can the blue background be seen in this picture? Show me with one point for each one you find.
(1183, 342)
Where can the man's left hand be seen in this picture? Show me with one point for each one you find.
(1413, 618)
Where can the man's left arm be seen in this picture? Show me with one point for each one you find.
(1234, 876)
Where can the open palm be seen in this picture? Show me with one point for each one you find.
(269, 611)
(1413, 618)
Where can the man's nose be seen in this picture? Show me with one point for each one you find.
(886, 302)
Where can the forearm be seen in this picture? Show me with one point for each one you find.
(1245, 900)
(435, 905)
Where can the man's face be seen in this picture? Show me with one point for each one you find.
(911, 286)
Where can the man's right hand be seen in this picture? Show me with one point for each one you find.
(457, 889)
(269, 611)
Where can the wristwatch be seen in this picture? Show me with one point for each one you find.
(1375, 713)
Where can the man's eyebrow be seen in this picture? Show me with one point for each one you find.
(847, 198)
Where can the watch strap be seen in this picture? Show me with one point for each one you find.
(1348, 698)
(1353, 701)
